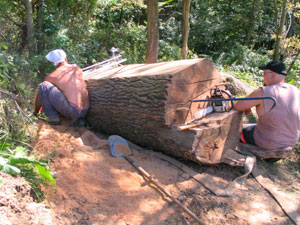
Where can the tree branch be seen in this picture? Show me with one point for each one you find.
(9, 18)
(16, 103)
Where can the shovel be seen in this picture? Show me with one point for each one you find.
(119, 148)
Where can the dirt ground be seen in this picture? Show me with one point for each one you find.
(95, 188)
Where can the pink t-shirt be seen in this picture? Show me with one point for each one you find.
(279, 127)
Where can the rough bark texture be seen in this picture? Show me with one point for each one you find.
(146, 103)
(152, 28)
(39, 25)
(29, 26)
(185, 27)
(253, 15)
(279, 31)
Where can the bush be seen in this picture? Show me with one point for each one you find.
(242, 63)
(16, 130)
(293, 75)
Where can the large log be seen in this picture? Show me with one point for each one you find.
(146, 103)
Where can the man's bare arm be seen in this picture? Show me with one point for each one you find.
(37, 103)
(247, 105)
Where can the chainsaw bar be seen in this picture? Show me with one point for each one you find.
(238, 99)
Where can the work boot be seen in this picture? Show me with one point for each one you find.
(272, 160)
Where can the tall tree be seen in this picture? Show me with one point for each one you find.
(39, 25)
(185, 27)
(29, 27)
(253, 14)
(279, 31)
(152, 31)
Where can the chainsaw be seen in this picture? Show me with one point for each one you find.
(217, 105)
(220, 101)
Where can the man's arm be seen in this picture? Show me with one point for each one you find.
(37, 102)
(246, 105)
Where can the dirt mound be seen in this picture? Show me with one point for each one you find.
(95, 188)
(18, 207)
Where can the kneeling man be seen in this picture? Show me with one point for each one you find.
(63, 91)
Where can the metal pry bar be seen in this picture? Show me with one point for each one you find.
(238, 99)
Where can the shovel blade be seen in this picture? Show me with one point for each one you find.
(118, 146)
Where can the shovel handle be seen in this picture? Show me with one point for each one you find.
(150, 178)
(185, 127)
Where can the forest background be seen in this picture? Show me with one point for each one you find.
(237, 35)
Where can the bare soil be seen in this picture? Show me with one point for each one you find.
(95, 188)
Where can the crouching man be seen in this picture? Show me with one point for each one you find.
(63, 91)
(277, 128)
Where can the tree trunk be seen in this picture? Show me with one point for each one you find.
(152, 28)
(146, 104)
(253, 15)
(40, 23)
(279, 31)
(185, 27)
(29, 27)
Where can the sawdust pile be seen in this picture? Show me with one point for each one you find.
(95, 188)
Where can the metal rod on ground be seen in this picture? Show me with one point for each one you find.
(147, 175)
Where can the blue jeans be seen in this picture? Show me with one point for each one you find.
(54, 103)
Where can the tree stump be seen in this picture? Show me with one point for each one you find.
(145, 103)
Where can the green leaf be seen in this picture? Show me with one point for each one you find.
(161, 4)
(22, 86)
(3, 161)
(2, 45)
(45, 173)
(4, 146)
(6, 168)
(18, 160)
(12, 170)
(20, 152)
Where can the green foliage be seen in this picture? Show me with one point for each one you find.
(130, 38)
(293, 75)
(17, 74)
(120, 24)
(243, 63)
(16, 78)
(168, 52)
(17, 162)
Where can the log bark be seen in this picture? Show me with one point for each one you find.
(145, 103)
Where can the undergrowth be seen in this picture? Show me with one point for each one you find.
(17, 130)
